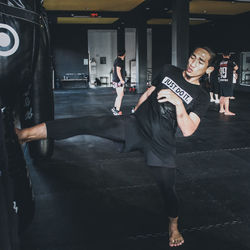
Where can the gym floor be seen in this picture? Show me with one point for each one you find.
(89, 197)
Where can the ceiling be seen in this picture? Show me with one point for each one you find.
(128, 12)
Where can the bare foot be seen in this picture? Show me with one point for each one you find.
(222, 111)
(175, 237)
(229, 113)
(31, 134)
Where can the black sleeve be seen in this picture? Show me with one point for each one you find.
(158, 75)
(119, 63)
(231, 64)
(201, 104)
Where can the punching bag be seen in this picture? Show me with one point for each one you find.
(25, 62)
(9, 236)
(38, 102)
(18, 172)
(26, 88)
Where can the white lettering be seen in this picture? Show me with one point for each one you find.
(177, 90)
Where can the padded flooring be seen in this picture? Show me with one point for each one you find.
(89, 197)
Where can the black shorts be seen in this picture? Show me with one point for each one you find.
(214, 86)
(226, 89)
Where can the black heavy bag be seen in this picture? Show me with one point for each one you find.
(40, 107)
(20, 28)
(25, 64)
(18, 172)
(9, 237)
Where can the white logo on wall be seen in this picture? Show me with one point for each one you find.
(9, 40)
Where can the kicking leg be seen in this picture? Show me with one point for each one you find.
(109, 127)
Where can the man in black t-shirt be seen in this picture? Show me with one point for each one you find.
(119, 81)
(226, 71)
(175, 99)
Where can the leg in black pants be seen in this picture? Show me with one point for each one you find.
(108, 127)
(165, 178)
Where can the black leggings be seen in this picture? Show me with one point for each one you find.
(165, 178)
(113, 128)
(109, 127)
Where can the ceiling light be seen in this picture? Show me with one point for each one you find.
(81, 16)
(197, 19)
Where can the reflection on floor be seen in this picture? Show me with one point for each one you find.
(89, 197)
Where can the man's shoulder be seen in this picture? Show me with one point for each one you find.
(204, 94)
(117, 60)
(168, 68)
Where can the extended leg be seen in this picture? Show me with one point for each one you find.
(109, 127)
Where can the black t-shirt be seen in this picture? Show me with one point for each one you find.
(214, 74)
(157, 121)
(118, 63)
(226, 71)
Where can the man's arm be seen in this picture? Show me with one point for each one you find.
(118, 71)
(236, 67)
(145, 96)
(188, 123)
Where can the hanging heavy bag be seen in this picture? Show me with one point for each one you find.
(19, 174)
(25, 62)
(41, 94)
(20, 33)
(9, 237)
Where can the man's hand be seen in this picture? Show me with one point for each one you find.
(166, 95)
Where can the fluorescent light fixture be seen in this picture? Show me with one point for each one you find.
(81, 16)
(197, 19)
(246, 1)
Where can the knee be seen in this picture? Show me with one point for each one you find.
(120, 94)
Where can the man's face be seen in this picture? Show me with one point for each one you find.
(197, 63)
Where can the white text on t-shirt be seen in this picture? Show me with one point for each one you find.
(177, 90)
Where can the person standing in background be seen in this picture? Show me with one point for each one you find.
(119, 81)
(227, 67)
(235, 77)
(214, 84)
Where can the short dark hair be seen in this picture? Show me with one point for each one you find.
(121, 52)
(226, 53)
(212, 54)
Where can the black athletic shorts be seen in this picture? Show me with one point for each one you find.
(226, 89)
(135, 141)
